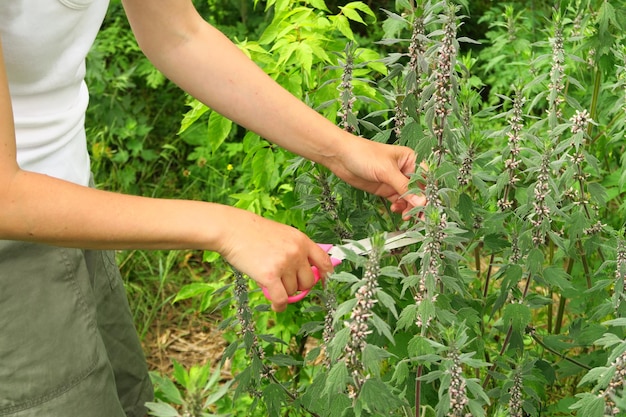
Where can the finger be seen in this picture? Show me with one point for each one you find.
(290, 283)
(278, 296)
(320, 259)
(306, 278)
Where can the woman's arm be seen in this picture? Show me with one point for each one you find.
(43, 209)
(202, 61)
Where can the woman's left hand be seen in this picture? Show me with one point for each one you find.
(380, 169)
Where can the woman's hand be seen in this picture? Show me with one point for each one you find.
(277, 257)
(379, 169)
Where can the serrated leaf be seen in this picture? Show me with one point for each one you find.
(304, 56)
(382, 327)
(419, 346)
(594, 375)
(337, 345)
(218, 130)
(495, 242)
(407, 317)
(273, 397)
(372, 358)
(284, 360)
(557, 277)
(377, 397)
(318, 4)
(351, 14)
(197, 110)
(337, 378)
(388, 302)
(341, 23)
(400, 373)
(518, 316)
(534, 261)
(590, 405)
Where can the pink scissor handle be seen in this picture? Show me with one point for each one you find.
(300, 295)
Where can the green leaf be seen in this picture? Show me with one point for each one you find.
(192, 115)
(518, 316)
(387, 301)
(341, 23)
(596, 374)
(534, 261)
(373, 357)
(284, 360)
(162, 410)
(351, 14)
(304, 55)
(337, 378)
(557, 277)
(382, 327)
(218, 130)
(192, 290)
(419, 346)
(168, 388)
(263, 168)
(407, 317)
(589, 405)
(400, 373)
(377, 397)
(273, 397)
(318, 4)
(495, 242)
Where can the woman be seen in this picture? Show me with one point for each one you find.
(67, 343)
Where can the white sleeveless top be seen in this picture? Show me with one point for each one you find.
(45, 43)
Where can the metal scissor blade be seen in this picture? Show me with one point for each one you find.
(393, 240)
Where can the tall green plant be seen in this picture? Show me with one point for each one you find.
(511, 302)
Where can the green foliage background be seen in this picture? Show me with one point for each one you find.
(512, 302)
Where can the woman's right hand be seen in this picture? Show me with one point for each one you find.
(277, 257)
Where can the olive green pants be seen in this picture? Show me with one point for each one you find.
(68, 346)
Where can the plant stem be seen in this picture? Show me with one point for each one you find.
(561, 310)
(488, 279)
(418, 391)
(559, 316)
(559, 354)
(505, 344)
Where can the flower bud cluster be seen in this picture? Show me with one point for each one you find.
(399, 119)
(433, 245)
(328, 203)
(514, 138)
(541, 209)
(620, 268)
(431, 269)
(458, 388)
(515, 402)
(615, 387)
(516, 252)
(465, 172)
(580, 121)
(446, 58)
(596, 228)
(417, 47)
(557, 73)
(329, 322)
(359, 318)
(244, 316)
(346, 89)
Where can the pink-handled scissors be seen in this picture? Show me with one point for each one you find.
(337, 254)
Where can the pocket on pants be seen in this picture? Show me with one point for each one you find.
(48, 333)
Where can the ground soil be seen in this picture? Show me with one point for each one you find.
(187, 339)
